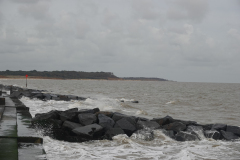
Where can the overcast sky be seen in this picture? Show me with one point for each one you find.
(180, 40)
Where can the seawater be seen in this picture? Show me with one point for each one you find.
(201, 102)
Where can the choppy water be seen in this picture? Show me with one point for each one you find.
(201, 102)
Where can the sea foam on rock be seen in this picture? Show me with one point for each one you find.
(94, 124)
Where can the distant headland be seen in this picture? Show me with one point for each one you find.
(34, 74)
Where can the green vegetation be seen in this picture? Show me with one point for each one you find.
(74, 75)
(61, 74)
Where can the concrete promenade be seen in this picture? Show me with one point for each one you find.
(18, 141)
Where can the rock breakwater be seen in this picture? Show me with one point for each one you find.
(92, 124)
(75, 125)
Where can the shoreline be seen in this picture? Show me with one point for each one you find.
(49, 78)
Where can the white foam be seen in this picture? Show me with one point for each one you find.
(39, 106)
(123, 147)
(126, 100)
(171, 102)
(141, 112)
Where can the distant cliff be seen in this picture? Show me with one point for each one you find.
(60, 74)
(71, 75)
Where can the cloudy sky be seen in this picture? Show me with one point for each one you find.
(180, 40)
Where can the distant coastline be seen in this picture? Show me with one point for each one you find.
(71, 75)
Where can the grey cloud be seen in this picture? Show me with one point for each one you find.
(25, 1)
(45, 29)
(178, 30)
(1, 18)
(39, 11)
(145, 9)
(82, 28)
(109, 18)
(195, 10)
(13, 43)
(234, 33)
(129, 38)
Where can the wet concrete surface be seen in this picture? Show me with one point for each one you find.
(24, 125)
(30, 151)
(9, 102)
(17, 139)
(8, 124)
(8, 149)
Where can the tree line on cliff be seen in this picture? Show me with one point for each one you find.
(61, 74)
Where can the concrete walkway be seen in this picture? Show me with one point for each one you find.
(18, 141)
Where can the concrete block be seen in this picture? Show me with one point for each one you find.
(1, 111)
(30, 151)
(8, 124)
(2, 101)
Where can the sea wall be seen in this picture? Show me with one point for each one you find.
(18, 140)
(75, 125)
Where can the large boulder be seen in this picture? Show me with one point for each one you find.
(71, 125)
(47, 120)
(72, 110)
(68, 116)
(193, 128)
(93, 111)
(144, 134)
(56, 133)
(54, 114)
(92, 131)
(147, 124)
(214, 134)
(27, 93)
(55, 97)
(16, 94)
(219, 127)
(82, 98)
(112, 132)
(87, 118)
(109, 114)
(169, 133)
(229, 135)
(206, 126)
(196, 130)
(185, 136)
(126, 126)
(105, 121)
(117, 116)
(175, 126)
(63, 97)
(47, 96)
(38, 96)
(187, 123)
(72, 97)
(163, 121)
(233, 129)
(74, 138)
(142, 119)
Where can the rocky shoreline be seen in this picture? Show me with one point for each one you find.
(75, 125)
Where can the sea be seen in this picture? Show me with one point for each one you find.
(205, 103)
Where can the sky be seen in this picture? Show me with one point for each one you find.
(179, 40)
